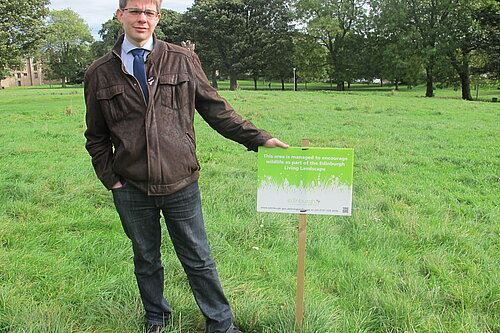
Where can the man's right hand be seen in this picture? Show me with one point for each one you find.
(273, 143)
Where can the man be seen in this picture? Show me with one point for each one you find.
(140, 100)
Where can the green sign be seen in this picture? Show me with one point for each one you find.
(305, 180)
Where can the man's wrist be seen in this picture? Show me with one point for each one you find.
(117, 185)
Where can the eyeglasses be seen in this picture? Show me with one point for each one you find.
(136, 12)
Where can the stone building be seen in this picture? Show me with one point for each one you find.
(30, 75)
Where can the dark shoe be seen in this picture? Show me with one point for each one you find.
(153, 328)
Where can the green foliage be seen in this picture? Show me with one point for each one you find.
(488, 17)
(419, 254)
(218, 26)
(268, 39)
(390, 51)
(110, 31)
(21, 31)
(333, 23)
(446, 36)
(310, 58)
(171, 28)
(67, 47)
(242, 36)
(277, 37)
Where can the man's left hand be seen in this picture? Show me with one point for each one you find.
(273, 143)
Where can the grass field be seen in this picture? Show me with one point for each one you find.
(485, 92)
(420, 253)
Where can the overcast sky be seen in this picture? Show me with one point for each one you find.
(96, 12)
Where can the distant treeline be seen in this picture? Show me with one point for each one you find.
(446, 42)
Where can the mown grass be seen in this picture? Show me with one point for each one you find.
(485, 93)
(419, 254)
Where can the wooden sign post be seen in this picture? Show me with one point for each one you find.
(301, 263)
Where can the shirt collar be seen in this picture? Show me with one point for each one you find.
(127, 46)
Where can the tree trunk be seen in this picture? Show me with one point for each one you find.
(215, 84)
(348, 84)
(282, 84)
(429, 69)
(233, 81)
(429, 92)
(255, 82)
(465, 80)
(64, 82)
(397, 84)
(462, 68)
(381, 82)
(341, 86)
(30, 71)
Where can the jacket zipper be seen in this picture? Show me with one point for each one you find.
(147, 107)
(137, 81)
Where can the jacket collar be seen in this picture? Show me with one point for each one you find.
(154, 54)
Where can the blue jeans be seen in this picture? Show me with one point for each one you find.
(140, 217)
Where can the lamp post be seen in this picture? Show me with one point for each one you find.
(294, 79)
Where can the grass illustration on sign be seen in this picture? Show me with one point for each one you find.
(305, 180)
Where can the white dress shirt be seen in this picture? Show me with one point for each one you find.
(128, 57)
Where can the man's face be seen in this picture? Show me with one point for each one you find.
(138, 26)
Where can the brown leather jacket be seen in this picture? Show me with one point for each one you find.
(154, 144)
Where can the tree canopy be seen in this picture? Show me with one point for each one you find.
(21, 30)
(67, 47)
(242, 36)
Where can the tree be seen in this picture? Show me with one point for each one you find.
(447, 29)
(241, 36)
(391, 52)
(331, 22)
(268, 39)
(311, 59)
(209, 56)
(427, 20)
(423, 24)
(67, 47)
(279, 58)
(462, 39)
(279, 46)
(488, 18)
(21, 30)
(171, 27)
(110, 31)
(217, 29)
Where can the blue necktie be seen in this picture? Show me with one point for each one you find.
(140, 71)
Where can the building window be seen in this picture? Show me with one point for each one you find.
(35, 67)
(25, 74)
(18, 75)
(36, 75)
(18, 83)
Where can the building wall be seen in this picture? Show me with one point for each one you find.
(30, 75)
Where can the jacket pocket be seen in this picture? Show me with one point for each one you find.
(174, 90)
(111, 100)
(192, 148)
